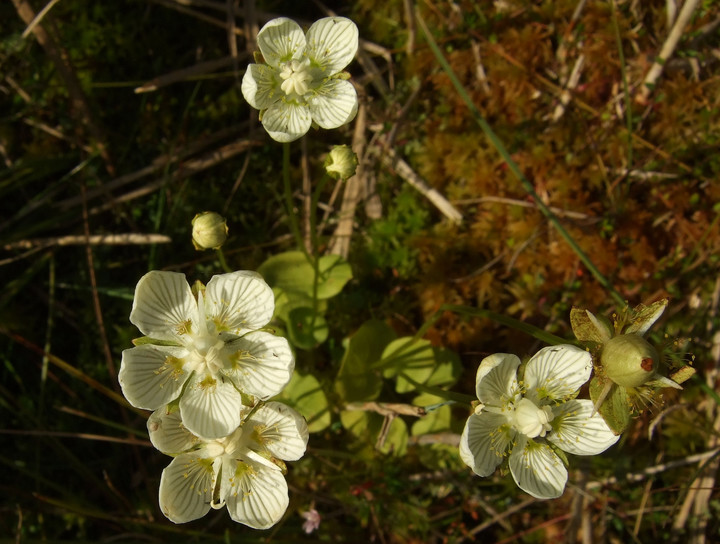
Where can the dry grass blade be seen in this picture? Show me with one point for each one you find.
(93, 240)
(184, 74)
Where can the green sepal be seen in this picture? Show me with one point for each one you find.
(587, 330)
(155, 342)
(615, 407)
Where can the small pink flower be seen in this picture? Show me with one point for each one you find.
(312, 520)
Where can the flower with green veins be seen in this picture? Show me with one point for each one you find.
(243, 471)
(532, 421)
(204, 349)
(628, 368)
(301, 80)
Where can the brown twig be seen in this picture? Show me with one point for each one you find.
(93, 240)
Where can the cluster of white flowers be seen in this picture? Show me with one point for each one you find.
(205, 368)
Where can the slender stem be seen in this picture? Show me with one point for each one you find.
(292, 218)
(223, 262)
(512, 165)
(626, 89)
(442, 393)
(531, 330)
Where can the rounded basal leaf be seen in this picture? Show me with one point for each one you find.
(152, 376)
(496, 379)
(537, 470)
(210, 407)
(306, 328)
(286, 121)
(305, 394)
(557, 372)
(293, 273)
(334, 103)
(262, 364)
(332, 43)
(164, 306)
(356, 380)
(239, 301)
(484, 441)
(410, 356)
(279, 430)
(186, 488)
(280, 40)
(260, 87)
(168, 434)
(578, 431)
(434, 422)
(255, 495)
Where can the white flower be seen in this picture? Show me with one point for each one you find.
(207, 349)
(523, 419)
(243, 471)
(301, 81)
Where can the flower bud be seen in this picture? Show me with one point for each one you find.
(209, 231)
(341, 162)
(629, 360)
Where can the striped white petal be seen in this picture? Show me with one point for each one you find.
(255, 495)
(280, 40)
(151, 376)
(260, 86)
(484, 441)
(262, 363)
(286, 121)
(556, 372)
(186, 487)
(279, 430)
(332, 43)
(164, 306)
(210, 408)
(168, 434)
(239, 301)
(496, 379)
(537, 470)
(333, 104)
(578, 431)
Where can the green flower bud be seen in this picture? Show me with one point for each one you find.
(341, 162)
(209, 231)
(629, 360)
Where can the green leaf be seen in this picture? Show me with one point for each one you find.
(305, 394)
(411, 356)
(396, 439)
(285, 302)
(615, 408)
(357, 381)
(293, 273)
(306, 329)
(421, 362)
(434, 422)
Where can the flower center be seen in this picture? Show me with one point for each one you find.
(531, 420)
(296, 77)
(206, 347)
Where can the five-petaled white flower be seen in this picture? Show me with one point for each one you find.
(301, 81)
(243, 471)
(207, 350)
(523, 418)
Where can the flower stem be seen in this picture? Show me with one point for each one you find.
(223, 262)
(442, 393)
